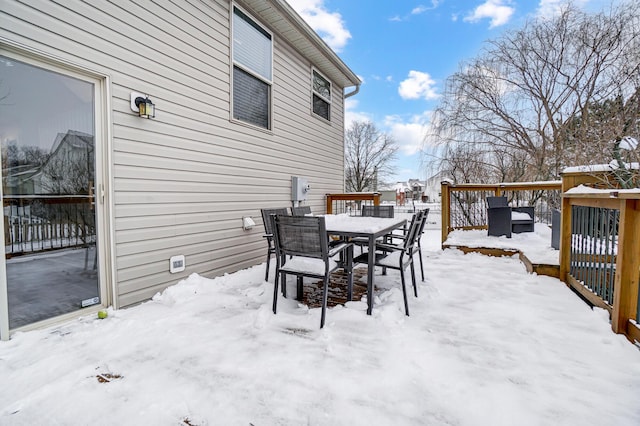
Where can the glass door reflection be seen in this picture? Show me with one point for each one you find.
(48, 174)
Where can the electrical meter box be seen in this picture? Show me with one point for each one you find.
(299, 188)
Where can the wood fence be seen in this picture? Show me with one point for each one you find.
(350, 202)
(600, 249)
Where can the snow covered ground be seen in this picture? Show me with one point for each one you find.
(486, 344)
(536, 245)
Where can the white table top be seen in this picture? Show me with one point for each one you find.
(343, 223)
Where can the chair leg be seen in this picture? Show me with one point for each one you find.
(349, 270)
(266, 272)
(325, 294)
(299, 290)
(413, 280)
(283, 279)
(275, 292)
(420, 256)
(404, 292)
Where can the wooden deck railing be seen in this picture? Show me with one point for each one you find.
(351, 202)
(600, 253)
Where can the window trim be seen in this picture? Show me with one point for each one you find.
(314, 92)
(256, 23)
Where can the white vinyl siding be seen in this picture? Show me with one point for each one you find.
(181, 182)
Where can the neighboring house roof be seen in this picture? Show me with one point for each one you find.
(436, 178)
(402, 186)
(72, 138)
(291, 27)
(415, 182)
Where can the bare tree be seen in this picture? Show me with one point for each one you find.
(369, 156)
(14, 155)
(480, 162)
(466, 163)
(530, 95)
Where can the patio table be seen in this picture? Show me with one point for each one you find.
(368, 227)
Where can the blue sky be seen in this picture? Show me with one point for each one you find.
(404, 50)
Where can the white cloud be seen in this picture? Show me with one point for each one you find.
(409, 135)
(328, 25)
(422, 8)
(418, 85)
(350, 115)
(418, 10)
(496, 10)
(550, 8)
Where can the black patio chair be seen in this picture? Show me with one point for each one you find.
(302, 249)
(505, 220)
(399, 256)
(268, 233)
(300, 211)
(425, 214)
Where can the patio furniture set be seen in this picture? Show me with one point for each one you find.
(315, 246)
(505, 220)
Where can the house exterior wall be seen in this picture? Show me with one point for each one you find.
(433, 187)
(181, 182)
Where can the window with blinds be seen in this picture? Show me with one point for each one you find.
(321, 95)
(252, 71)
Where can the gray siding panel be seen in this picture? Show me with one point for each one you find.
(183, 180)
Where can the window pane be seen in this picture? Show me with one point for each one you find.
(321, 86)
(320, 107)
(251, 45)
(250, 98)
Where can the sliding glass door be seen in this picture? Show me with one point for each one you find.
(48, 147)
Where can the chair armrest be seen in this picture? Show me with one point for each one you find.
(527, 209)
(395, 236)
(338, 248)
(388, 247)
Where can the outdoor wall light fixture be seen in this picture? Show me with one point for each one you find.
(142, 105)
(146, 108)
